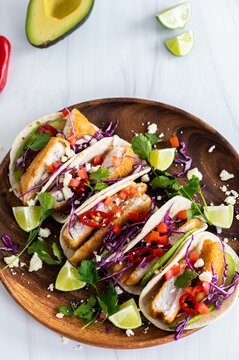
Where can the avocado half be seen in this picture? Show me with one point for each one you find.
(49, 21)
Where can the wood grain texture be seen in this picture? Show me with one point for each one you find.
(30, 289)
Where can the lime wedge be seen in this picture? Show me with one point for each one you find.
(181, 45)
(27, 217)
(162, 159)
(176, 16)
(221, 216)
(128, 316)
(67, 278)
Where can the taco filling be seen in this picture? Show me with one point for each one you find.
(80, 181)
(108, 225)
(155, 249)
(194, 286)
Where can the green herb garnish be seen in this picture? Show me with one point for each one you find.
(185, 278)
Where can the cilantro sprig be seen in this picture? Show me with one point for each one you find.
(104, 302)
(96, 178)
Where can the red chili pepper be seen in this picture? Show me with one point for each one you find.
(5, 51)
(189, 304)
(46, 129)
(98, 160)
(137, 217)
(95, 218)
(137, 255)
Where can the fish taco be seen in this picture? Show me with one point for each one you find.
(197, 287)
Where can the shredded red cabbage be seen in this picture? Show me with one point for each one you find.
(108, 132)
(186, 161)
(180, 328)
(10, 246)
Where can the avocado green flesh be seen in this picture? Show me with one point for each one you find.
(231, 269)
(57, 124)
(164, 258)
(49, 21)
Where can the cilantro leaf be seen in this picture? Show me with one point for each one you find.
(65, 310)
(87, 272)
(47, 202)
(154, 139)
(100, 186)
(162, 182)
(190, 188)
(100, 174)
(185, 279)
(108, 300)
(86, 312)
(40, 247)
(40, 142)
(196, 209)
(141, 146)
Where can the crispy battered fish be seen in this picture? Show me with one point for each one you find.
(37, 171)
(212, 252)
(136, 204)
(166, 301)
(126, 158)
(81, 124)
(188, 226)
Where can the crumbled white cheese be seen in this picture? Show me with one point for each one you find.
(58, 196)
(223, 188)
(199, 263)
(22, 264)
(129, 332)
(225, 240)
(44, 233)
(230, 200)
(225, 175)
(10, 190)
(234, 193)
(67, 193)
(67, 179)
(152, 128)
(161, 135)
(210, 150)
(218, 230)
(94, 168)
(228, 193)
(87, 166)
(51, 287)
(159, 197)
(118, 290)
(12, 261)
(194, 172)
(30, 202)
(64, 340)
(206, 276)
(60, 315)
(237, 217)
(97, 257)
(35, 263)
(145, 178)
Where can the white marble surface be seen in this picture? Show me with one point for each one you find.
(120, 52)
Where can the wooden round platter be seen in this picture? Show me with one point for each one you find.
(30, 290)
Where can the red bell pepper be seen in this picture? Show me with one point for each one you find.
(5, 51)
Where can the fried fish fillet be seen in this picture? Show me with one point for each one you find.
(166, 302)
(81, 124)
(188, 226)
(37, 171)
(212, 253)
(127, 159)
(136, 204)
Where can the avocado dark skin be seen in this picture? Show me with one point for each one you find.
(47, 44)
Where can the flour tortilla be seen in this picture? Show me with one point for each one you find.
(152, 287)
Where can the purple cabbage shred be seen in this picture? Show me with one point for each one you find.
(9, 244)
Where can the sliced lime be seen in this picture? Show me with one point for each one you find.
(27, 217)
(162, 159)
(128, 316)
(176, 16)
(221, 216)
(181, 45)
(67, 278)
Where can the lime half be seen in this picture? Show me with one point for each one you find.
(176, 16)
(181, 45)
(67, 278)
(128, 316)
(221, 216)
(27, 217)
(162, 159)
